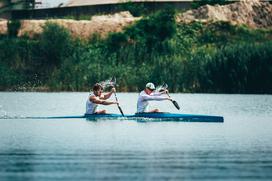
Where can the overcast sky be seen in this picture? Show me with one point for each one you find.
(52, 3)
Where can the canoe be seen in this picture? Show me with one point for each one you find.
(144, 117)
(158, 117)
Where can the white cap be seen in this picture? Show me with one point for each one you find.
(150, 86)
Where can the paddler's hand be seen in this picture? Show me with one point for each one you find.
(114, 102)
(165, 91)
(113, 90)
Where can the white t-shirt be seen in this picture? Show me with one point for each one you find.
(90, 106)
(142, 103)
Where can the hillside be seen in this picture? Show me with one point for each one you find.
(102, 25)
(254, 14)
(203, 52)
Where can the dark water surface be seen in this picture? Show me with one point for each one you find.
(77, 149)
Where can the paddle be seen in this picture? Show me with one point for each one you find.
(118, 105)
(113, 82)
(164, 86)
(174, 102)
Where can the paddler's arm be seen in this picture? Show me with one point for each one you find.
(154, 98)
(165, 91)
(100, 101)
(107, 95)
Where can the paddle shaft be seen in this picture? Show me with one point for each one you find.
(174, 102)
(118, 104)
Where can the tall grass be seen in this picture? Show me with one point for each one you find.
(195, 57)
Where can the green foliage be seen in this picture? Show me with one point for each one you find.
(18, 63)
(218, 32)
(136, 9)
(55, 45)
(13, 27)
(116, 40)
(196, 57)
(242, 68)
(152, 31)
(186, 37)
(8, 77)
(31, 60)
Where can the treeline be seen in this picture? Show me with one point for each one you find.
(197, 57)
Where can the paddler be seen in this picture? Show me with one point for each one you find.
(149, 94)
(98, 97)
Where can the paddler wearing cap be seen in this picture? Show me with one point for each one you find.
(97, 97)
(148, 94)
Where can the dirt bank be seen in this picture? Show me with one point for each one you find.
(253, 13)
(83, 28)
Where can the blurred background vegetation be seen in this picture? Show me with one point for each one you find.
(197, 57)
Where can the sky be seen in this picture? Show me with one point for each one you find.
(52, 3)
(55, 3)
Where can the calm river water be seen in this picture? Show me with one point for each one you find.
(77, 149)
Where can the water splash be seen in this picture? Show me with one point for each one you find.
(108, 83)
(7, 115)
(161, 87)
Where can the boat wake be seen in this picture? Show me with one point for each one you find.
(12, 117)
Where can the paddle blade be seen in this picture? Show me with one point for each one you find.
(176, 104)
(121, 111)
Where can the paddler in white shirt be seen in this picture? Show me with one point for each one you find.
(96, 98)
(148, 94)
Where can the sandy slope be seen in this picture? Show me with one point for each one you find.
(253, 13)
(83, 28)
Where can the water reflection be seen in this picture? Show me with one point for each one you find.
(16, 164)
(141, 165)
